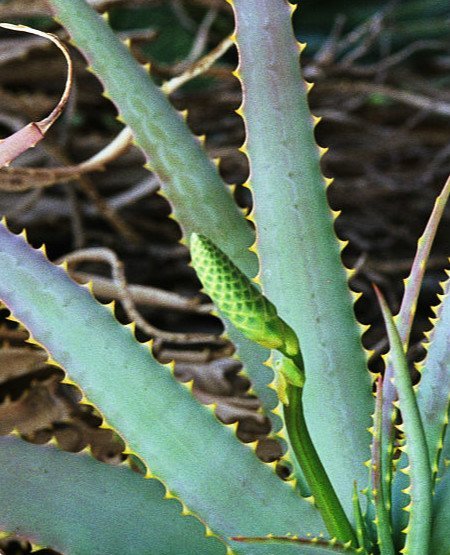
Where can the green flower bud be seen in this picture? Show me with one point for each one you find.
(239, 300)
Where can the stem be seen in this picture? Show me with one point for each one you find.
(325, 497)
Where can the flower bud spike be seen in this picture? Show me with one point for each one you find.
(239, 300)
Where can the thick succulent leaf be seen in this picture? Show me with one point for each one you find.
(434, 389)
(254, 358)
(433, 395)
(307, 546)
(419, 468)
(440, 537)
(80, 506)
(360, 525)
(190, 181)
(182, 442)
(301, 270)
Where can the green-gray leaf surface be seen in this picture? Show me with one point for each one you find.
(434, 386)
(190, 181)
(440, 537)
(419, 468)
(81, 506)
(182, 442)
(301, 270)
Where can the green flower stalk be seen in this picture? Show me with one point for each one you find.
(256, 317)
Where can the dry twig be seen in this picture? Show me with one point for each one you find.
(123, 293)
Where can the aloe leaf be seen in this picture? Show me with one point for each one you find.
(434, 390)
(403, 322)
(306, 546)
(419, 469)
(301, 271)
(78, 505)
(379, 477)
(254, 358)
(190, 180)
(199, 198)
(199, 459)
(413, 283)
(360, 524)
(440, 538)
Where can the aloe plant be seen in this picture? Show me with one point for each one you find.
(284, 296)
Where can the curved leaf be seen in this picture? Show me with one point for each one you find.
(404, 320)
(419, 469)
(301, 271)
(190, 181)
(181, 441)
(81, 506)
(440, 538)
(312, 546)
